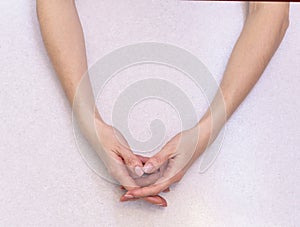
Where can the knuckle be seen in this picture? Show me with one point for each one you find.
(156, 160)
(130, 161)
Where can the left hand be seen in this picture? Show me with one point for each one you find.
(178, 154)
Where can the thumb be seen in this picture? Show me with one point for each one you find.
(132, 162)
(156, 161)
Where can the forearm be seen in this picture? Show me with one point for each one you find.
(63, 37)
(263, 31)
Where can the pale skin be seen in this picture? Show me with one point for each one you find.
(61, 30)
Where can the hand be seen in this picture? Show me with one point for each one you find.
(179, 154)
(123, 164)
(117, 156)
(146, 180)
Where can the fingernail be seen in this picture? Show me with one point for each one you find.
(148, 168)
(161, 204)
(139, 171)
(128, 196)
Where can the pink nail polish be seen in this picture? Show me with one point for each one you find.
(128, 196)
(139, 171)
(148, 168)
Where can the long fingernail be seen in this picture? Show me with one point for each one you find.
(128, 196)
(139, 171)
(148, 168)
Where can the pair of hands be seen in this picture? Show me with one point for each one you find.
(144, 177)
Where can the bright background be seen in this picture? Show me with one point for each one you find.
(45, 182)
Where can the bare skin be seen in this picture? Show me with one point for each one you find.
(263, 32)
(63, 37)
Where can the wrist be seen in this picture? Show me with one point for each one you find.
(213, 121)
(204, 129)
(205, 124)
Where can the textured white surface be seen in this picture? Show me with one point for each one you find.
(45, 182)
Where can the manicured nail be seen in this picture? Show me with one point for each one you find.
(148, 168)
(139, 171)
(128, 196)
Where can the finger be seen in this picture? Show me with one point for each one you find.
(125, 199)
(151, 190)
(161, 184)
(125, 180)
(157, 200)
(145, 180)
(166, 190)
(148, 179)
(163, 168)
(119, 172)
(147, 191)
(156, 161)
(127, 183)
(132, 162)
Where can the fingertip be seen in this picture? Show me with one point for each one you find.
(139, 171)
(163, 205)
(124, 198)
(128, 196)
(156, 200)
(129, 193)
(164, 202)
(148, 168)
